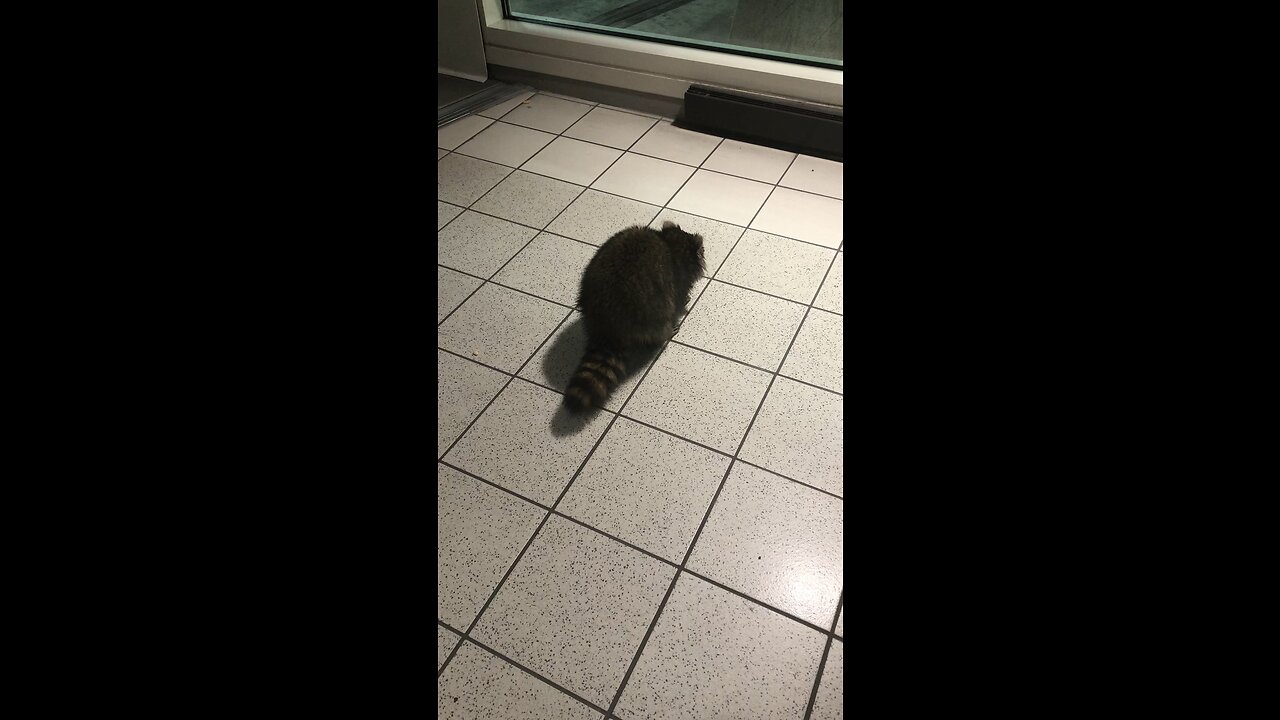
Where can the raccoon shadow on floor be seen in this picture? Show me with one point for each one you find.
(562, 359)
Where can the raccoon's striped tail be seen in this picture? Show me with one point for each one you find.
(599, 373)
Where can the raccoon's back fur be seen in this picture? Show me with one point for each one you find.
(632, 293)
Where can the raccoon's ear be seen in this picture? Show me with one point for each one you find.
(668, 225)
(697, 241)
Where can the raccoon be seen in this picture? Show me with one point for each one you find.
(633, 291)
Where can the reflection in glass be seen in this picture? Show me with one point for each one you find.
(805, 31)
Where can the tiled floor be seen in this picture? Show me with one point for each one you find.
(679, 554)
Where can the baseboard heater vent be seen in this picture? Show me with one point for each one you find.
(794, 127)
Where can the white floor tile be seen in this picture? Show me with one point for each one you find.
(463, 388)
(803, 216)
(831, 296)
(445, 640)
(753, 162)
(499, 327)
(669, 142)
(506, 144)
(572, 161)
(525, 443)
(546, 113)
(698, 396)
(643, 178)
(595, 217)
(816, 175)
(721, 197)
(818, 354)
(480, 244)
(550, 267)
(529, 199)
(610, 127)
(441, 153)
(444, 213)
(776, 541)
(461, 180)
(480, 530)
(451, 289)
(799, 433)
(459, 131)
(646, 487)
(742, 324)
(829, 704)
(713, 654)
(777, 266)
(576, 608)
(480, 685)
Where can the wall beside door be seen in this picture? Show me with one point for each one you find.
(459, 41)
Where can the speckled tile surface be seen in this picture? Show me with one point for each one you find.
(721, 197)
(777, 266)
(817, 176)
(829, 703)
(668, 142)
(480, 244)
(647, 488)
(463, 388)
(480, 685)
(445, 640)
(505, 144)
(572, 614)
(803, 216)
(576, 608)
(715, 655)
(572, 161)
(742, 324)
(451, 289)
(459, 131)
(546, 113)
(831, 296)
(818, 354)
(529, 199)
(776, 541)
(643, 178)
(753, 162)
(800, 434)
(444, 213)
(550, 267)
(717, 237)
(698, 396)
(610, 127)
(499, 327)
(461, 180)
(595, 217)
(527, 443)
(559, 358)
(479, 533)
(840, 624)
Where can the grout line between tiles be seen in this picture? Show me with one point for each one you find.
(467, 634)
(761, 603)
(700, 166)
(537, 675)
(624, 197)
(761, 292)
(609, 713)
(813, 694)
(504, 385)
(629, 150)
